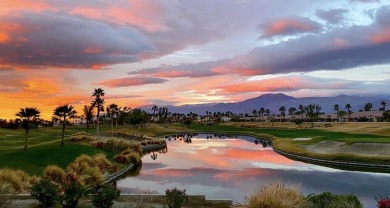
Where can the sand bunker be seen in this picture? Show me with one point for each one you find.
(366, 149)
(302, 139)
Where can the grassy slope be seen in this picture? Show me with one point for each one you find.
(44, 149)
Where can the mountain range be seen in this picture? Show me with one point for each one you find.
(275, 101)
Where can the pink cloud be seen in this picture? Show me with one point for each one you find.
(381, 37)
(131, 81)
(292, 26)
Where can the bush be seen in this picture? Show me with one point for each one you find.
(6, 196)
(45, 192)
(72, 194)
(18, 180)
(276, 195)
(127, 157)
(176, 198)
(329, 200)
(104, 197)
(383, 202)
(54, 174)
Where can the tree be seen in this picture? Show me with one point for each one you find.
(291, 111)
(268, 112)
(154, 109)
(254, 112)
(341, 114)
(98, 93)
(367, 106)
(301, 110)
(88, 114)
(112, 110)
(349, 112)
(313, 111)
(27, 115)
(336, 107)
(282, 110)
(261, 112)
(383, 104)
(61, 113)
(386, 115)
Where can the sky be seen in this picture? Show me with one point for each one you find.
(56, 52)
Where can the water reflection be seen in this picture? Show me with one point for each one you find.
(230, 167)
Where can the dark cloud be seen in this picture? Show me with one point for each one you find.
(131, 81)
(54, 40)
(289, 26)
(333, 16)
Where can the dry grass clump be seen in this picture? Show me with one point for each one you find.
(120, 145)
(128, 156)
(54, 174)
(17, 180)
(276, 195)
(80, 137)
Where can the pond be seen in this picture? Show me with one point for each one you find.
(231, 167)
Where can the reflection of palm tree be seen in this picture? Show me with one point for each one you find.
(28, 115)
(153, 156)
(61, 113)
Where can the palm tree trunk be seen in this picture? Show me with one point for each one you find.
(26, 140)
(63, 131)
(112, 127)
(97, 119)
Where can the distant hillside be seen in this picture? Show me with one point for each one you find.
(274, 101)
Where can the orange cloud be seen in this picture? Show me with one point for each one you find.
(172, 172)
(289, 27)
(131, 81)
(269, 85)
(382, 37)
(246, 173)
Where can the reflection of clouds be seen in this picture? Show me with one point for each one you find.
(240, 167)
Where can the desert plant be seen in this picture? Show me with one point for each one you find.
(45, 192)
(329, 200)
(104, 197)
(54, 174)
(276, 195)
(72, 194)
(17, 180)
(6, 196)
(176, 198)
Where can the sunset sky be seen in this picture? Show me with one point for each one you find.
(191, 51)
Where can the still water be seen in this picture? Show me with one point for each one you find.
(231, 167)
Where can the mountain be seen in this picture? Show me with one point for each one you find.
(274, 101)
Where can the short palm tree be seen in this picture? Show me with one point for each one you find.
(282, 110)
(112, 110)
(88, 114)
(336, 107)
(383, 103)
(98, 93)
(261, 112)
(27, 115)
(62, 113)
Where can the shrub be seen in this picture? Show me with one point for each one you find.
(383, 202)
(54, 174)
(45, 192)
(329, 200)
(104, 197)
(72, 194)
(6, 196)
(127, 157)
(176, 198)
(276, 195)
(18, 180)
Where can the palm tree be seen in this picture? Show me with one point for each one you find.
(98, 103)
(261, 112)
(282, 110)
(348, 107)
(111, 110)
(292, 111)
(154, 109)
(367, 106)
(61, 113)
(88, 114)
(27, 115)
(336, 107)
(254, 112)
(268, 112)
(301, 110)
(313, 111)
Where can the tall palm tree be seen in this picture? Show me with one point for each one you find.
(27, 115)
(348, 107)
(61, 113)
(301, 110)
(111, 110)
(383, 103)
(261, 112)
(282, 110)
(98, 93)
(292, 111)
(336, 107)
(154, 109)
(88, 114)
(254, 112)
